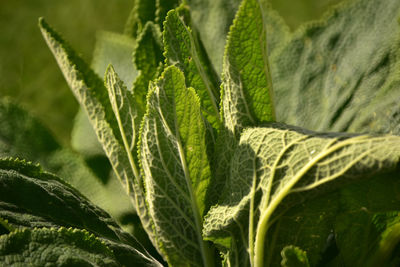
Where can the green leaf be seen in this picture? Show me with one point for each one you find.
(142, 12)
(162, 8)
(182, 50)
(247, 88)
(148, 58)
(61, 247)
(91, 93)
(294, 257)
(111, 48)
(281, 166)
(176, 169)
(213, 18)
(341, 73)
(32, 198)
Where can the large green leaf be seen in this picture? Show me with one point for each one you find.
(214, 17)
(342, 73)
(246, 86)
(60, 247)
(32, 198)
(282, 166)
(92, 94)
(176, 169)
(182, 50)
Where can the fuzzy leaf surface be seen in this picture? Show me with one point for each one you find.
(176, 169)
(247, 89)
(110, 48)
(182, 50)
(280, 167)
(92, 94)
(60, 247)
(32, 198)
(341, 73)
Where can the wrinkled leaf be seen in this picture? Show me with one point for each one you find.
(281, 166)
(162, 8)
(176, 169)
(247, 89)
(61, 247)
(32, 198)
(92, 94)
(182, 50)
(341, 73)
(111, 48)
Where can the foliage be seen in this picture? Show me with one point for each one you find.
(220, 177)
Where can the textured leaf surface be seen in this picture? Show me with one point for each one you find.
(246, 86)
(32, 198)
(59, 247)
(111, 48)
(176, 169)
(91, 93)
(341, 73)
(247, 89)
(182, 51)
(162, 8)
(213, 18)
(148, 58)
(278, 166)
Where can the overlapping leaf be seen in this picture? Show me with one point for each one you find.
(278, 166)
(31, 198)
(213, 18)
(341, 73)
(176, 169)
(91, 93)
(183, 51)
(111, 48)
(247, 88)
(142, 12)
(148, 59)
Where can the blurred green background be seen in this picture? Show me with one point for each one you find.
(29, 74)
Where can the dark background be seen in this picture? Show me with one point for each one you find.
(30, 76)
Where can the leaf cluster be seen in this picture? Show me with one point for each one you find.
(283, 151)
